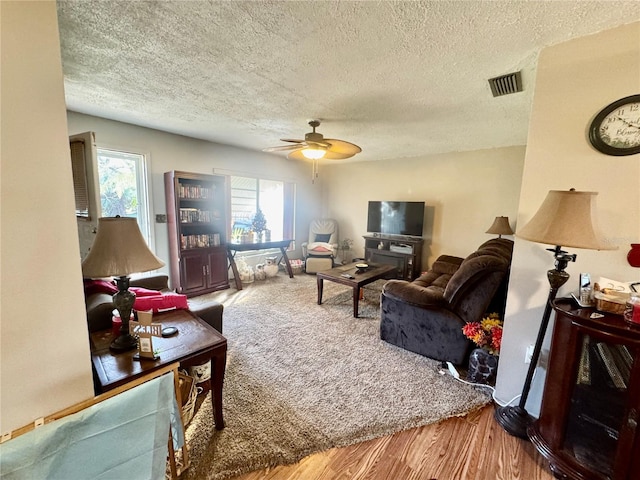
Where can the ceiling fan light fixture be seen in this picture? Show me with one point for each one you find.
(314, 152)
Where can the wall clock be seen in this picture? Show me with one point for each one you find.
(615, 130)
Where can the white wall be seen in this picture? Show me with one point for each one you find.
(463, 191)
(44, 358)
(167, 152)
(574, 81)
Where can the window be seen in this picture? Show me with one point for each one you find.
(123, 187)
(274, 198)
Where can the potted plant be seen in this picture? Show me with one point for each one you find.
(259, 225)
(487, 335)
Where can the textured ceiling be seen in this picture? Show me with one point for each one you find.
(400, 79)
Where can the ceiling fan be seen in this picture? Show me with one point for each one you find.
(315, 146)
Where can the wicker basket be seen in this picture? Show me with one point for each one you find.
(610, 301)
(189, 395)
(297, 266)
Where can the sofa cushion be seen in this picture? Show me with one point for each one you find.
(475, 265)
(431, 296)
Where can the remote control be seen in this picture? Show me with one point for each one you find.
(346, 275)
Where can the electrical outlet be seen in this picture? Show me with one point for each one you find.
(528, 354)
(161, 218)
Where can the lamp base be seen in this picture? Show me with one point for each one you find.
(124, 342)
(515, 420)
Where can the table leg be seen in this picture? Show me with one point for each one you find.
(320, 285)
(287, 265)
(356, 300)
(218, 365)
(234, 269)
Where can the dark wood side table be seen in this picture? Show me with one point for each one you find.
(356, 279)
(233, 248)
(195, 343)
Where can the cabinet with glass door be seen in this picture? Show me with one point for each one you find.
(587, 427)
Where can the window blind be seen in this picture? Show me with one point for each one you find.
(79, 170)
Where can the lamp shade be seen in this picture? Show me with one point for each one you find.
(119, 249)
(314, 152)
(500, 226)
(566, 218)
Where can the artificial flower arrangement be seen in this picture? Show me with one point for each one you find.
(487, 333)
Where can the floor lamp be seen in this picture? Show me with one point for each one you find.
(565, 218)
(118, 250)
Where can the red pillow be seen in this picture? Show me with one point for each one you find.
(99, 286)
(161, 302)
(320, 248)
(144, 292)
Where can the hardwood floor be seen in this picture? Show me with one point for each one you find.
(467, 448)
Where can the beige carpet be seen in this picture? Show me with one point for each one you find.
(303, 377)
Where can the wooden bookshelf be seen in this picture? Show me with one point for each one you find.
(197, 225)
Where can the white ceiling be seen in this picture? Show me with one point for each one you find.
(400, 79)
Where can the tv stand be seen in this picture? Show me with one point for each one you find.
(404, 252)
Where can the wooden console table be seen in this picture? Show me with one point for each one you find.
(402, 251)
(195, 343)
(233, 248)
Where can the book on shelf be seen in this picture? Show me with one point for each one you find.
(584, 367)
(613, 369)
(195, 192)
(194, 215)
(199, 241)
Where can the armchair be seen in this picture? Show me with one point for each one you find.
(426, 316)
(322, 246)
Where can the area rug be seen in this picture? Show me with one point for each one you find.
(303, 377)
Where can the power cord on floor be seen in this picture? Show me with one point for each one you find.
(448, 366)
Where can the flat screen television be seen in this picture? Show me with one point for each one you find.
(396, 218)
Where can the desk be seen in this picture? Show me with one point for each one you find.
(196, 342)
(233, 248)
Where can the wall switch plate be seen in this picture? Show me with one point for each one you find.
(528, 354)
(161, 218)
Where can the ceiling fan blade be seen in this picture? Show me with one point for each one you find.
(320, 144)
(342, 147)
(291, 140)
(282, 148)
(297, 155)
(337, 156)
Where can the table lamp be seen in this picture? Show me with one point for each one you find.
(118, 250)
(565, 218)
(500, 227)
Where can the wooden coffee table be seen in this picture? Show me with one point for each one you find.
(355, 279)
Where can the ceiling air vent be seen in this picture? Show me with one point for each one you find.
(506, 84)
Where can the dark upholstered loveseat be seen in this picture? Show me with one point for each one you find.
(100, 305)
(426, 316)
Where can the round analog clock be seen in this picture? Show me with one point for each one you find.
(615, 130)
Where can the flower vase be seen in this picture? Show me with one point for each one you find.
(482, 367)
